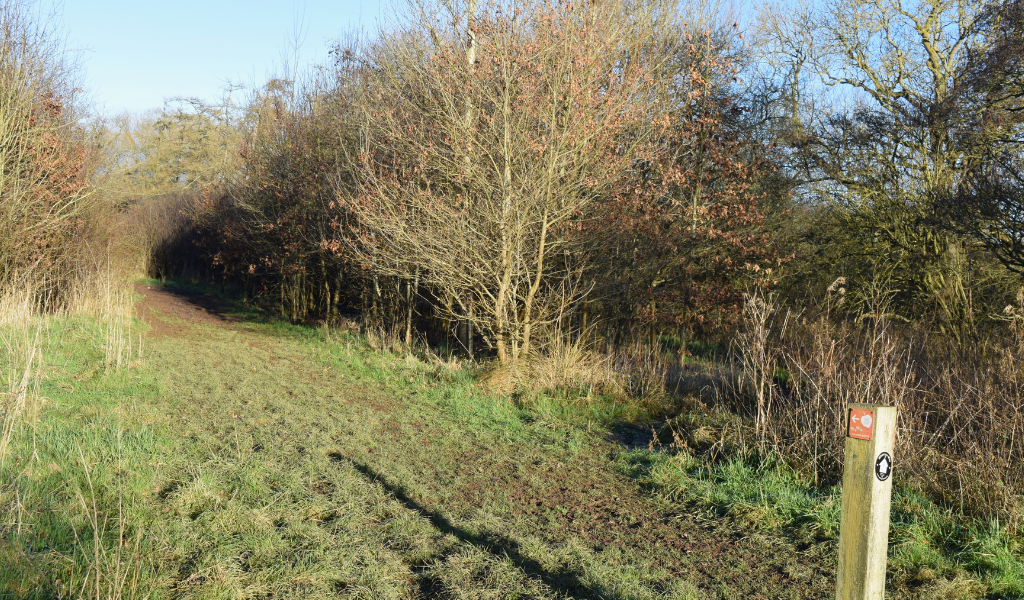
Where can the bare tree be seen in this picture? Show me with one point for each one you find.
(988, 202)
(894, 136)
(476, 174)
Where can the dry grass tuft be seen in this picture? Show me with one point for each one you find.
(563, 364)
(571, 366)
(22, 360)
(383, 339)
(646, 373)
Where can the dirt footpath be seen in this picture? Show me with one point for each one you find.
(180, 310)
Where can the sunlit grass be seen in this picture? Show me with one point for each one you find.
(268, 459)
(929, 547)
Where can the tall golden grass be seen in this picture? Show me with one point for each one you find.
(960, 437)
(20, 351)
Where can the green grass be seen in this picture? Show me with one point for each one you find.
(266, 460)
(939, 553)
(280, 461)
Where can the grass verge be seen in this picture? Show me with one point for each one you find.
(933, 552)
(267, 460)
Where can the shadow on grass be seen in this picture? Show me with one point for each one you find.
(229, 303)
(632, 436)
(223, 306)
(567, 584)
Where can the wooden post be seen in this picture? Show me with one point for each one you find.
(867, 493)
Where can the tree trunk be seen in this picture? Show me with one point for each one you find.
(295, 300)
(325, 306)
(411, 289)
(528, 306)
(500, 320)
(284, 282)
(375, 307)
(336, 298)
(469, 333)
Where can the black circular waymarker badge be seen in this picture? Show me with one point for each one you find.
(883, 466)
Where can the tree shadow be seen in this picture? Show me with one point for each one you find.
(196, 304)
(224, 308)
(566, 583)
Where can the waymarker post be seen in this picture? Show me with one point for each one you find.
(867, 494)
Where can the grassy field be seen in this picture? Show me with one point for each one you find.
(235, 458)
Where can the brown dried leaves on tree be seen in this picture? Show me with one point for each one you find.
(508, 168)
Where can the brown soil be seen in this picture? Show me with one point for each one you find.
(587, 498)
(175, 312)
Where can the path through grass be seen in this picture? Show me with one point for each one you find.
(253, 460)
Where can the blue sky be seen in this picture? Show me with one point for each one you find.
(137, 53)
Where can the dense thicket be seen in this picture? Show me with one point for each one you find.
(490, 176)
